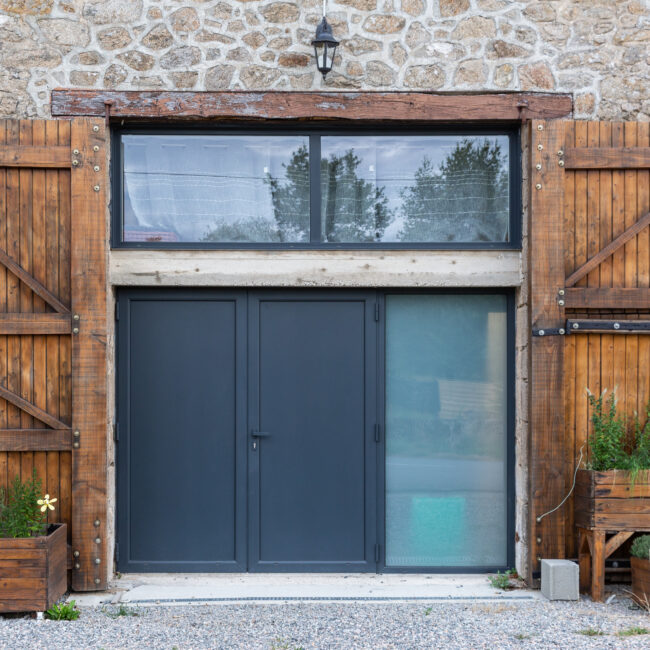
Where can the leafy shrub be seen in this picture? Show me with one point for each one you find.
(20, 515)
(502, 580)
(641, 547)
(63, 612)
(614, 443)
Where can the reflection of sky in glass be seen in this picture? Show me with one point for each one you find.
(391, 163)
(180, 188)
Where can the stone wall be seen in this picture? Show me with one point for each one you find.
(598, 50)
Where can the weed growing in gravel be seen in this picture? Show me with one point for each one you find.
(502, 580)
(522, 637)
(634, 631)
(63, 612)
(428, 611)
(281, 644)
(122, 610)
(590, 631)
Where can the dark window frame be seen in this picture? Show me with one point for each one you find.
(512, 131)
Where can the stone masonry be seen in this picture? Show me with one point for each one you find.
(597, 50)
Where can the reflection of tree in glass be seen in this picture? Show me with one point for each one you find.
(290, 206)
(355, 210)
(464, 199)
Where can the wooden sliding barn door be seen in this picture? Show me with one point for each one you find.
(590, 294)
(53, 325)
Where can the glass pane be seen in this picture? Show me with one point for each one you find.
(415, 189)
(209, 188)
(446, 430)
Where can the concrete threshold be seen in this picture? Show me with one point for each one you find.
(199, 588)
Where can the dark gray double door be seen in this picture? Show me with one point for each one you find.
(246, 428)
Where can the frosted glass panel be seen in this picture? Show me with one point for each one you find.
(446, 430)
(209, 188)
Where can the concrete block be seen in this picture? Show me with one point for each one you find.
(560, 580)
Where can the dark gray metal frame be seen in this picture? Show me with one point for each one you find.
(314, 133)
(247, 555)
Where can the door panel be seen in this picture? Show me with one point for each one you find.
(312, 390)
(182, 505)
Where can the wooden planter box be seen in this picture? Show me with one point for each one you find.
(33, 571)
(640, 579)
(610, 501)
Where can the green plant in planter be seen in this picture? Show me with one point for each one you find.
(641, 547)
(614, 443)
(23, 510)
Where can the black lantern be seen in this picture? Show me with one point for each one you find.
(324, 46)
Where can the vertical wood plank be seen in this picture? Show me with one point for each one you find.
(581, 220)
(546, 384)
(3, 303)
(593, 206)
(88, 283)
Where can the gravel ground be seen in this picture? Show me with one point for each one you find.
(487, 624)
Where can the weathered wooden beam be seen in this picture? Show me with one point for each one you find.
(89, 407)
(40, 323)
(35, 439)
(30, 408)
(607, 158)
(55, 156)
(546, 468)
(33, 283)
(278, 105)
(610, 249)
(612, 298)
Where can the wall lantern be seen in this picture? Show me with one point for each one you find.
(324, 46)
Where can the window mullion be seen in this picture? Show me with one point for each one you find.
(315, 235)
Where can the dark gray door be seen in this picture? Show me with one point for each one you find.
(246, 431)
(312, 450)
(181, 490)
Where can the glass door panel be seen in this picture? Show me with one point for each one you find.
(446, 430)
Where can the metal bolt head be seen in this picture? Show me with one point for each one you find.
(540, 127)
(98, 540)
(76, 317)
(97, 560)
(560, 152)
(540, 147)
(75, 152)
(538, 520)
(560, 292)
(76, 434)
(561, 163)
(75, 163)
(561, 303)
(617, 326)
(95, 148)
(77, 565)
(539, 540)
(562, 331)
(96, 188)
(97, 581)
(538, 166)
(75, 444)
(576, 326)
(541, 332)
(96, 523)
(95, 128)
(75, 553)
(538, 186)
(96, 168)
(539, 558)
(75, 330)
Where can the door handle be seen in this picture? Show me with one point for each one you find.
(260, 434)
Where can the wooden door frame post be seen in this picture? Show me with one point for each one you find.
(546, 385)
(89, 409)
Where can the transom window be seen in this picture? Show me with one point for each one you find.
(316, 189)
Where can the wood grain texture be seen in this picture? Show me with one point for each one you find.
(52, 156)
(36, 439)
(607, 157)
(279, 105)
(88, 291)
(39, 323)
(608, 299)
(546, 468)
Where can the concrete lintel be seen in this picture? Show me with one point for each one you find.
(206, 268)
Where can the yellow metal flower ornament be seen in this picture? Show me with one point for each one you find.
(46, 503)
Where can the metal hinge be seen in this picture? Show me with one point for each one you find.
(117, 311)
(549, 331)
(376, 552)
(116, 431)
(377, 311)
(117, 552)
(377, 432)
